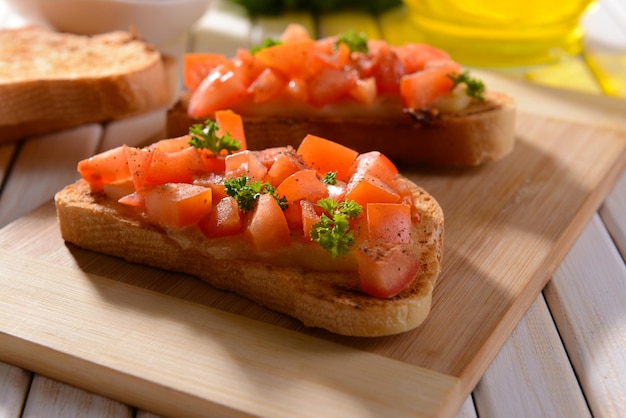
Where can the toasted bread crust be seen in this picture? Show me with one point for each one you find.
(329, 300)
(484, 131)
(51, 81)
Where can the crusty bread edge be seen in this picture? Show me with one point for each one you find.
(483, 132)
(103, 99)
(86, 220)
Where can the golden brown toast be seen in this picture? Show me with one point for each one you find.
(51, 81)
(330, 300)
(482, 132)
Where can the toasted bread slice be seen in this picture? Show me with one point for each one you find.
(330, 300)
(482, 132)
(51, 81)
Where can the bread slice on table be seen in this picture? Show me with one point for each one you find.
(482, 132)
(51, 81)
(330, 300)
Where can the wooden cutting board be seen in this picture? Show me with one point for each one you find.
(173, 345)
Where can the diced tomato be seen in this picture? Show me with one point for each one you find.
(285, 164)
(419, 90)
(415, 56)
(309, 218)
(225, 219)
(364, 64)
(196, 66)
(318, 72)
(389, 222)
(385, 269)
(291, 59)
(221, 89)
(375, 164)
(172, 144)
(231, 122)
(213, 181)
(245, 163)
(327, 156)
(267, 85)
(293, 214)
(212, 163)
(328, 55)
(267, 156)
(267, 227)
(174, 167)
(364, 91)
(178, 204)
(359, 228)
(368, 189)
(304, 184)
(329, 85)
(406, 196)
(139, 160)
(294, 32)
(247, 66)
(107, 167)
(388, 70)
(296, 89)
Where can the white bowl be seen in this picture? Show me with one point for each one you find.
(156, 21)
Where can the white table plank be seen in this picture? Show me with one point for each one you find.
(7, 152)
(52, 399)
(531, 376)
(14, 384)
(44, 165)
(467, 409)
(613, 213)
(590, 317)
(136, 131)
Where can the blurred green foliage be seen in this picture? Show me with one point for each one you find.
(273, 7)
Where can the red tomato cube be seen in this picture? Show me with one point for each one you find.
(178, 204)
(389, 222)
(385, 269)
(267, 227)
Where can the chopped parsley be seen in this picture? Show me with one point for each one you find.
(246, 193)
(205, 136)
(475, 87)
(330, 178)
(356, 41)
(265, 44)
(332, 231)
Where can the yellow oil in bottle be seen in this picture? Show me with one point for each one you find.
(499, 32)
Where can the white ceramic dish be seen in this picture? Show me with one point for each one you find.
(156, 21)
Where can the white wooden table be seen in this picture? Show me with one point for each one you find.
(566, 358)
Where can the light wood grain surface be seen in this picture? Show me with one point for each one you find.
(567, 355)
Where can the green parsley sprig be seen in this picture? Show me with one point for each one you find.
(206, 137)
(356, 41)
(265, 44)
(330, 178)
(332, 231)
(475, 87)
(247, 193)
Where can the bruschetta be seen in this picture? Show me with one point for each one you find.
(337, 239)
(412, 102)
